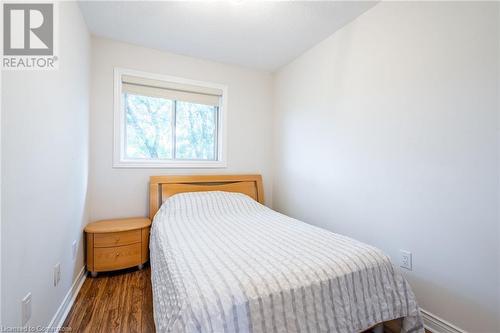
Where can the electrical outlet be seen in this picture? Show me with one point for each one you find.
(73, 249)
(57, 274)
(405, 259)
(26, 309)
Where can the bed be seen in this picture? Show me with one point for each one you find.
(221, 261)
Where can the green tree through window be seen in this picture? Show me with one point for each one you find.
(195, 131)
(152, 122)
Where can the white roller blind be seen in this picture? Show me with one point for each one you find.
(171, 90)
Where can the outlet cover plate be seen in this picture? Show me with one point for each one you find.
(405, 260)
(73, 249)
(26, 309)
(57, 274)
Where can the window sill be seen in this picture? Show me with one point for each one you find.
(170, 164)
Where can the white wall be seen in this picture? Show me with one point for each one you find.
(44, 174)
(124, 192)
(388, 132)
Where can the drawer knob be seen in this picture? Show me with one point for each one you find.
(117, 254)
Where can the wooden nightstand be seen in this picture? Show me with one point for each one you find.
(117, 244)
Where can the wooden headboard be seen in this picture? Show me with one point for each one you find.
(162, 187)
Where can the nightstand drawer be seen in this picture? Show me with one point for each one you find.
(117, 238)
(111, 258)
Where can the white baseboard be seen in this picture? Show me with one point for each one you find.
(63, 310)
(436, 324)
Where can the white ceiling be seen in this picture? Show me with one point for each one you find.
(255, 34)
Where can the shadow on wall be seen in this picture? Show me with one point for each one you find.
(427, 289)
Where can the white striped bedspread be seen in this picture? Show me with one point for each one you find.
(222, 262)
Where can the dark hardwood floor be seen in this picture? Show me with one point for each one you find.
(123, 302)
(114, 302)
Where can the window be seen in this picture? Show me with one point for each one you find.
(167, 122)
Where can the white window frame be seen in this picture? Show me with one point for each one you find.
(119, 157)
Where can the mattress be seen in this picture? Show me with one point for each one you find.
(222, 262)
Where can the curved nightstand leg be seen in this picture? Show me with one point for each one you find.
(140, 266)
(93, 274)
